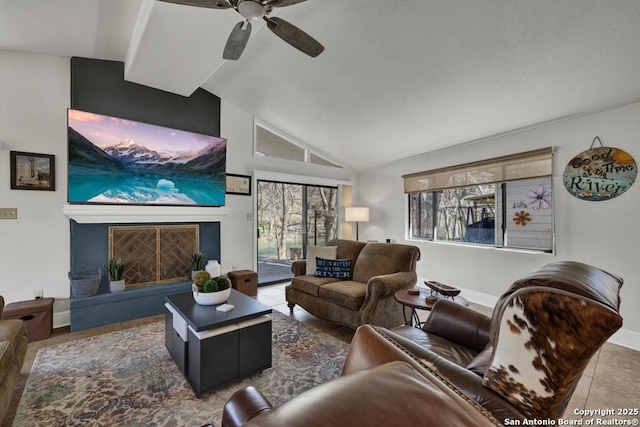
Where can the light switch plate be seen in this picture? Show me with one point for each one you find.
(8, 213)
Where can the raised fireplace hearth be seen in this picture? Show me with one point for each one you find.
(155, 243)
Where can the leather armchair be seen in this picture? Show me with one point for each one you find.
(381, 384)
(522, 363)
(526, 360)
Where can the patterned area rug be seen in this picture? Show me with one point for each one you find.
(127, 378)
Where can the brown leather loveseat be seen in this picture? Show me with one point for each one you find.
(377, 270)
(13, 348)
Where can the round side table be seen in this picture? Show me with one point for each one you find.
(419, 302)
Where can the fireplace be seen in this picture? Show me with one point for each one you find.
(154, 254)
(156, 248)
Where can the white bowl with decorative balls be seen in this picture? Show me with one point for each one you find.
(210, 298)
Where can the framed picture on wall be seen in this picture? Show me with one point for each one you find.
(238, 184)
(32, 171)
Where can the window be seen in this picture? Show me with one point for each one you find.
(268, 144)
(315, 159)
(272, 144)
(290, 217)
(459, 214)
(503, 202)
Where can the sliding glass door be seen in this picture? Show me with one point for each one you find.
(321, 215)
(290, 216)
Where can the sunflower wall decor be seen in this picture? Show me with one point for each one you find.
(521, 218)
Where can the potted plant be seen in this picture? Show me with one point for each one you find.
(209, 290)
(197, 264)
(115, 267)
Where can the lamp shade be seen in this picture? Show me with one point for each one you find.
(356, 214)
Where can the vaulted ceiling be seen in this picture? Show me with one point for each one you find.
(396, 79)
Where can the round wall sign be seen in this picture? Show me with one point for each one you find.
(600, 174)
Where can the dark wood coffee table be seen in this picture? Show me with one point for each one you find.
(213, 348)
(419, 302)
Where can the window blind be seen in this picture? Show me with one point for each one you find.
(530, 164)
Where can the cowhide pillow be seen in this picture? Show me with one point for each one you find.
(543, 344)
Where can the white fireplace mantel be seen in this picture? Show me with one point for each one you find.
(101, 214)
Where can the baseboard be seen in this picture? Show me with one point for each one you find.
(624, 337)
(473, 296)
(479, 298)
(61, 319)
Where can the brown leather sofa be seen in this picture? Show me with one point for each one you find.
(526, 360)
(381, 385)
(377, 271)
(13, 348)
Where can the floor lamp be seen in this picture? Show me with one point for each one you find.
(356, 214)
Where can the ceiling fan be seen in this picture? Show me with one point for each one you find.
(253, 10)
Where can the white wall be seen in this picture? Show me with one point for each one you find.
(34, 97)
(238, 232)
(604, 234)
(34, 249)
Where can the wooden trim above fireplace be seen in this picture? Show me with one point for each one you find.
(100, 214)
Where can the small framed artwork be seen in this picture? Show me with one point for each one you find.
(32, 171)
(238, 184)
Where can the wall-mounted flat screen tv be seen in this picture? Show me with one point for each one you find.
(119, 161)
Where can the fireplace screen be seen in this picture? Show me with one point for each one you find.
(154, 254)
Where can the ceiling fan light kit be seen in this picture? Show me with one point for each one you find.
(252, 10)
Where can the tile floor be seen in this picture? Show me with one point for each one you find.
(610, 381)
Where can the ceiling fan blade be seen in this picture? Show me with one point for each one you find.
(237, 41)
(294, 36)
(210, 4)
(283, 3)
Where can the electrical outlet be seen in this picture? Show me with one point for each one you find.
(8, 213)
(38, 294)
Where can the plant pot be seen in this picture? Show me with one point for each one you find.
(211, 298)
(116, 286)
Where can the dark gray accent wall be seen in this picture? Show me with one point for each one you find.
(90, 247)
(98, 86)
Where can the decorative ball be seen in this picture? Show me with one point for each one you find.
(201, 277)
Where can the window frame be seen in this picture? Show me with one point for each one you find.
(307, 151)
(421, 185)
(501, 219)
